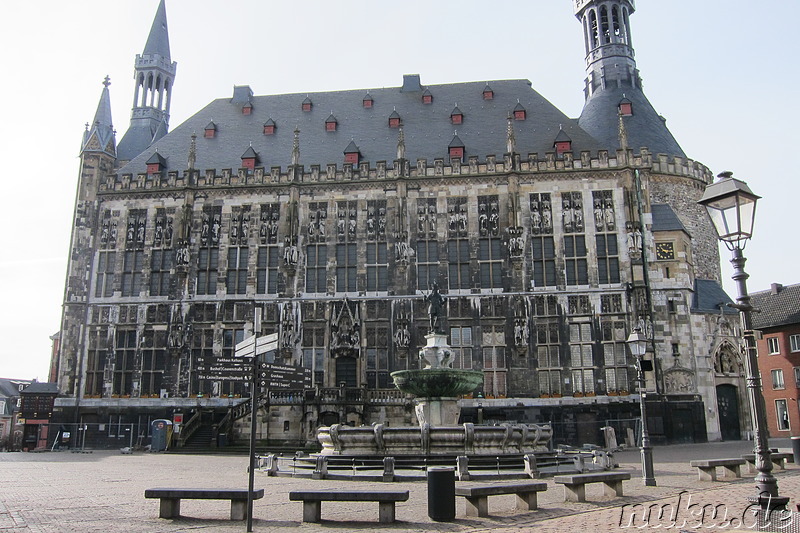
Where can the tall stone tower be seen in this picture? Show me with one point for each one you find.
(154, 75)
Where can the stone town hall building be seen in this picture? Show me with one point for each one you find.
(335, 213)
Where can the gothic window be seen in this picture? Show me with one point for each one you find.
(490, 260)
(268, 224)
(346, 267)
(202, 359)
(427, 264)
(153, 362)
(458, 264)
(314, 352)
(579, 305)
(494, 362)
(211, 226)
(614, 355)
(461, 345)
(575, 260)
(346, 372)
(236, 281)
(104, 282)
(611, 303)
(135, 232)
(376, 220)
(207, 265)
(317, 222)
(124, 361)
(162, 236)
(267, 270)
(580, 345)
(132, 266)
(377, 358)
(543, 256)
(426, 217)
(316, 263)
(572, 212)
(548, 355)
(457, 217)
(240, 228)
(377, 267)
(545, 305)
(346, 221)
(160, 266)
(96, 361)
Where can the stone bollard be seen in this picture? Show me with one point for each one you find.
(320, 468)
(530, 465)
(271, 464)
(388, 469)
(580, 465)
(462, 467)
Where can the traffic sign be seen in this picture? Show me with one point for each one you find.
(267, 343)
(246, 347)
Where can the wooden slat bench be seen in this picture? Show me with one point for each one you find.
(477, 496)
(312, 501)
(575, 484)
(707, 468)
(171, 499)
(779, 460)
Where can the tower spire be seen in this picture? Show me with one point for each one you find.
(154, 72)
(99, 135)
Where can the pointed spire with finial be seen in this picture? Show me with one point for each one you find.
(511, 139)
(296, 147)
(401, 145)
(101, 129)
(192, 151)
(623, 133)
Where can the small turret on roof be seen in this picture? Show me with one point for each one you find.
(269, 127)
(352, 154)
(156, 163)
(456, 147)
(562, 142)
(249, 158)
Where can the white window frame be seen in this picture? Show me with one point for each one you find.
(773, 346)
(778, 382)
(797, 376)
(794, 343)
(781, 426)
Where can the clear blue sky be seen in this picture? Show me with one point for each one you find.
(723, 73)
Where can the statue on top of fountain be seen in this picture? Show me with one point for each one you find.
(435, 308)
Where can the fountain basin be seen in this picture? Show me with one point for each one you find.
(465, 439)
(437, 382)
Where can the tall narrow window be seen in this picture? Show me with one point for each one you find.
(543, 254)
(575, 260)
(153, 362)
(777, 379)
(607, 258)
(458, 264)
(614, 355)
(236, 281)
(377, 357)
(377, 267)
(160, 266)
(203, 359)
(104, 282)
(494, 362)
(580, 339)
(314, 353)
(461, 345)
(427, 264)
(124, 359)
(794, 343)
(773, 347)
(132, 272)
(267, 270)
(207, 265)
(96, 361)
(548, 354)
(782, 414)
(316, 263)
(490, 260)
(346, 260)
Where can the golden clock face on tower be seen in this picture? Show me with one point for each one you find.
(665, 250)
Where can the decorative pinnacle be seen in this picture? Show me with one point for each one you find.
(107, 81)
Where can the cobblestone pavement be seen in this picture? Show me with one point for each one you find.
(104, 492)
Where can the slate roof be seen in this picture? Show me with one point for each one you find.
(779, 309)
(709, 297)
(427, 127)
(41, 388)
(646, 128)
(158, 40)
(9, 388)
(665, 219)
(102, 125)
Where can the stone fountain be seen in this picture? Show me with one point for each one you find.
(436, 387)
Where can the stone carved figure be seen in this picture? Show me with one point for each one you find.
(435, 308)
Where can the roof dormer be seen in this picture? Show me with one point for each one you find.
(247, 108)
(394, 119)
(456, 116)
(352, 154)
(249, 158)
(519, 112)
(306, 105)
(625, 107)
(331, 123)
(456, 148)
(269, 127)
(210, 130)
(488, 93)
(562, 143)
(427, 97)
(367, 102)
(156, 163)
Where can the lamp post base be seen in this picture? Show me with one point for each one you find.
(648, 475)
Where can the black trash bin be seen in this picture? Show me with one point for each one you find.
(442, 493)
(796, 449)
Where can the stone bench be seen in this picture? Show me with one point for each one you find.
(575, 484)
(779, 460)
(312, 501)
(707, 468)
(477, 497)
(171, 499)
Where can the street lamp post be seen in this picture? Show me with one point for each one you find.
(732, 207)
(637, 343)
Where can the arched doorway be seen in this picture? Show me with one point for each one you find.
(728, 409)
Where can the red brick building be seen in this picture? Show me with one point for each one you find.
(779, 356)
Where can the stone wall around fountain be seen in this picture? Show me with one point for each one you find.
(465, 439)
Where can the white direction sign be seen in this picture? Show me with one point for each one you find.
(267, 343)
(246, 348)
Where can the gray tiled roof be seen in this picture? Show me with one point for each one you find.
(41, 388)
(646, 128)
(665, 219)
(158, 40)
(427, 128)
(709, 297)
(779, 309)
(9, 388)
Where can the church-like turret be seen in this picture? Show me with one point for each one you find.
(99, 135)
(613, 86)
(154, 75)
